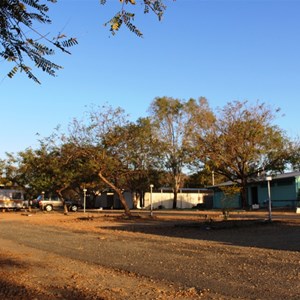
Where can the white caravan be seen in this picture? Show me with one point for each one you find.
(11, 199)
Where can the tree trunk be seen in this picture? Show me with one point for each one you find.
(135, 199)
(175, 199)
(244, 195)
(176, 185)
(59, 192)
(118, 191)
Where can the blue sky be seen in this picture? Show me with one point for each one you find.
(222, 50)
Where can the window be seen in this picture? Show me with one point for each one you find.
(16, 195)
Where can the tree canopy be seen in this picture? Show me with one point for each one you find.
(117, 149)
(243, 142)
(173, 122)
(105, 150)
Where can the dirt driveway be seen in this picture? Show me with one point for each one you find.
(101, 256)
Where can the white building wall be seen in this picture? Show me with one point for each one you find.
(184, 200)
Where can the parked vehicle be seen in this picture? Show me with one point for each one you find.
(35, 202)
(49, 204)
(12, 199)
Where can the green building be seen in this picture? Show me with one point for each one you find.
(284, 191)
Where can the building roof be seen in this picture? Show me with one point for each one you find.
(262, 178)
(195, 190)
(286, 175)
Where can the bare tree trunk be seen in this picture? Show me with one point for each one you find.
(175, 199)
(135, 199)
(118, 191)
(177, 180)
(244, 195)
(59, 192)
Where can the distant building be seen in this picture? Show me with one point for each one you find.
(285, 192)
(186, 198)
(108, 199)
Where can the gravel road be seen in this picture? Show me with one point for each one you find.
(251, 262)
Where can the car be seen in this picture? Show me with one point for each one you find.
(55, 203)
(72, 205)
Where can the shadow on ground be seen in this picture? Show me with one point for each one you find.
(277, 235)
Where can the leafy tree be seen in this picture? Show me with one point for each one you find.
(28, 169)
(123, 154)
(174, 122)
(4, 181)
(243, 142)
(201, 178)
(107, 147)
(295, 155)
(138, 146)
(49, 168)
(96, 140)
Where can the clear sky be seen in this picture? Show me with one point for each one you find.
(222, 50)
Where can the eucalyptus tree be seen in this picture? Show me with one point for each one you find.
(174, 124)
(243, 142)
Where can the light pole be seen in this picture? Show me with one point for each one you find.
(151, 206)
(269, 178)
(43, 198)
(84, 199)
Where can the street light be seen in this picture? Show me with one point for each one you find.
(84, 199)
(269, 178)
(151, 206)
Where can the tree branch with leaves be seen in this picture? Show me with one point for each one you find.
(21, 43)
(123, 16)
(26, 48)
